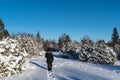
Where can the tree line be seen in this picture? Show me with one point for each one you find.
(64, 41)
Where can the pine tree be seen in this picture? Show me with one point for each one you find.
(115, 36)
(60, 43)
(67, 39)
(64, 41)
(6, 33)
(115, 43)
(1, 25)
(3, 32)
(87, 40)
(38, 38)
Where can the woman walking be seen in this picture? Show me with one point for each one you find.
(49, 59)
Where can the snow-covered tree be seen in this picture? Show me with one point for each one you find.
(115, 42)
(12, 59)
(116, 48)
(98, 53)
(74, 49)
(29, 45)
(14, 52)
(64, 42)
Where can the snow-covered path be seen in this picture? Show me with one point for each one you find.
(66, 69)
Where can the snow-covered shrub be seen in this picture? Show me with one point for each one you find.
(98, 53)
(73, 53)
(29, 45)
(72, 50)
(117, 50)
(12, 60)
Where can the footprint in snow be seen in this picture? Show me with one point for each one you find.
(51, 76)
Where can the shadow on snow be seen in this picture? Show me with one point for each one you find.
(38, 65)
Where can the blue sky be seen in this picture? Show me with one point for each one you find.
(52, 18)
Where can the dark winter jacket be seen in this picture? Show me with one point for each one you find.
(49, 57)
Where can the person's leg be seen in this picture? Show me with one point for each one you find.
(48, 66)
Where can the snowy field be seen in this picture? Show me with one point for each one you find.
(66, 69)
